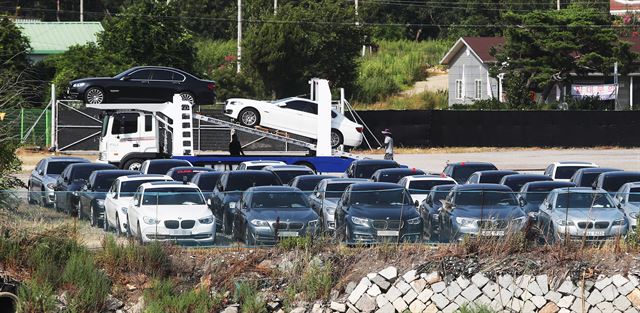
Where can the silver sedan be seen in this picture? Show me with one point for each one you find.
(44, 176)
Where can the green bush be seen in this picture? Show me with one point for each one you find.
(88, 286)
(250, 301)
(151, 259)
(475, 309)
(163, 298)
(36, 297)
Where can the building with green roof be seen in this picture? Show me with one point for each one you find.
(47, 38)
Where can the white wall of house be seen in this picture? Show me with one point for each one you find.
(469, 79)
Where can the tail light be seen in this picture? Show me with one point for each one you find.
(211, 86)
(359, 129)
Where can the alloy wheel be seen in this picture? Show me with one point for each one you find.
(95, 96)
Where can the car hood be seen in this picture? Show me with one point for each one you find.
(298, 214)
(531, 207)
(89, 79)
(376, 212)
(232, 197)
(476, 211)
(330, 202)
(51, 176)
(417, 197)
(173, 212)
(97, 195)
(582, 214)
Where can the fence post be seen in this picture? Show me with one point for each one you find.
(47, 128)
(21, 124)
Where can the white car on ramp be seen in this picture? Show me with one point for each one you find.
(293, 115)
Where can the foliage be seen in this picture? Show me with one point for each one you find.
(88, 286)
(286, 55)
(475, 308)
(294, 243)
(151, 259)
(427, 100)
(395, 66)
(517, 90)
(163, 297)
(589, 103)
(13, 47)
(36, 297)
(546, 47)
(146, 33)
(250, 301)
(488, 104)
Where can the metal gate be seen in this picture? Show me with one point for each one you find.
(75, 127)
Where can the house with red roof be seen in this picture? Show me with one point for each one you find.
(620, 7)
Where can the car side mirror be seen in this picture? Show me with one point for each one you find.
(281, 105)
(549, 206)
(209, 202)
(126, 78)
(417, 204)
(40, 172)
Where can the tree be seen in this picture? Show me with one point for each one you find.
(14, 47)
(544, 48)
(305, 40)
(148, 33)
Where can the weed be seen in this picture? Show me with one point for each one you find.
(162, 297)
(249, 299)
(151, 259)
(88, 286)
(632, 240)
(36, 297)
(475, 308)
(427, 100)
(317, 281)
(296, 243)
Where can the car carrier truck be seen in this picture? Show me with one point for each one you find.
(135, 132)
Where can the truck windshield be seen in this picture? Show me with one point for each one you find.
(105, 124)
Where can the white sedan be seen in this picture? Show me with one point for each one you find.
(420, 185)
(171, 211)
(294, 115)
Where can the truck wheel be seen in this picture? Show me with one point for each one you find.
(105, 223)
(336, 138)
(249, 117)
(133, 164)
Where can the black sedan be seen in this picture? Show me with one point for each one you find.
(229, 189)
(585, 177)
(206, 181)
(489, 176)
(533, 193)
(516, 181)
(307, 183)
(92, 195)
(430, 209)
(393, 175)
(267, 213)
(72, 179)
(143, 84)
(612, 181)
(366, 168)
(371, 213)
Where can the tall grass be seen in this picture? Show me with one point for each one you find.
(151, 259)
(163, 297)
(395, 67)
(428, 100)
(87, 285)
(249, 299)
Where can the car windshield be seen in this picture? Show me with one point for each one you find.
(128, 188)
(422, 187)
(367, 170)
(537, 195)
(613, 183)
(588, 179)
(84, 172)
(56, 168)
(634, 195)
(278, 200)
(309, 184)
(163, 167)
(485, 198)
(287, 176)
(380, 198)
(492, 178)
(335, 190)
(462, 173)
(172, 196)
(439, 195)
(246, 181)
(565, 172)
(392, 177)
(583, 200)
(104, 182)
(207, 182)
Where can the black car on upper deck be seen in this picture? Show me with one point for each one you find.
(532, 194)
(143, 84)
(91, 196)
(489, 176)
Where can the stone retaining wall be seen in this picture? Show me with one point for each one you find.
(389, 292)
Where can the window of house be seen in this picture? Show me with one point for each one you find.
(459, 89)
(478, 85)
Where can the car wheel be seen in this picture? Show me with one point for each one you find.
(336, 138)
(118, 226)
(187, 96)
(128, 230)
(93, 219)
(340, 233)
(140, 241)
(79, 206)
(226, 224)
(94, 95)
(30, 196)
(133, 164)
(105, 223)
(249, 117)
(249, 240)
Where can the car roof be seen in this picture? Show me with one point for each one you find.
(497, 187)
(568, 163)
(158, 184)
(428, 177)
(549, 183)
(398, 170)
(620, 174)
(374, 186)
(66, 158)
(248, 172)
(260, 162)
(374, 161)
(337, 180)
(195, 168)
(115, 171)
(168, 161)
(94, 165)
(287, 168)
(445, 187)
(580, 189)
(143, 177)
(496, 172)
(597, 170)
(520, 176)
(152, 67)
(273, 188)
(464, 163)
(312, 176)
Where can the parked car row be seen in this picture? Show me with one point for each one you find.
(374, 200)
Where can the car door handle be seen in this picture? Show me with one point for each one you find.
(135, 145)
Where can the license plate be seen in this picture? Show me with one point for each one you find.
(288, 234)
(492, 233)
(595, 233)
(182, 232)
(388, 233)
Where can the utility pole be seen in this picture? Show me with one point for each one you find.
(558, 4)
(275, 7)
(239, 55)
(81, 11)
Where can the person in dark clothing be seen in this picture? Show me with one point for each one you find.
(235, 148)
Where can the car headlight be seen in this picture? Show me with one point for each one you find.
(206, 220)
(331, 210)
(232, 205)
(414, 221)
(360, 221)
(465, 222)
(619, 222)
(150, 220)
(259, 223)
(633, 215)
(78, 85)
(100, 202)
(313, 223)
(124, 210)
(51, 186)
(564, 223)
(520, 220)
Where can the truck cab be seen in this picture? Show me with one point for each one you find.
(127, 132)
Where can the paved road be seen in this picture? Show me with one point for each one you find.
(627, 159)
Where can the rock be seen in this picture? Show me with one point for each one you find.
(403, 286)
(634, 297)
(393, 293)
(539, 301)
(610, 292)
(381, 300)
(491, 290)
(529, 307)
(417, 306)
(526, 296)
(567, 287)
(621, 303)
(580, 306)
(550, 307)
(626, 288)
(463, 282)
(366, 303)
(543, 283)
(564, 311)
(440, 301)
(431, 308)
(523, 281)
(600, 284)
(298, 310)
(595, 297)
(553, 296)
(634, 279)
(387, 308)
(534, 289)
(433, 277)
(112, 304)
(505, 280)
(479, 280)
(131, 287)
(381, 282)
(316, 308)
(595, 310)
(233, 309)
(566, 302)
(350, 287)
(483, 300)
(460, 300)
(418, 285)
(285, 265)
(338, 307)
(139, 306)
(351, 307)
(273, 305)
(371, 275)
(374, 290)
(389, 273)
(496, 305)
(410, 296)
(516, 305)
(619, 280)
(410, 276)
(505, 295)
(400, 305)
(425, 295)
(471, 293)
(438, 287)
(452, 291)
(606, 307)
(451, 308)
(359, 290)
